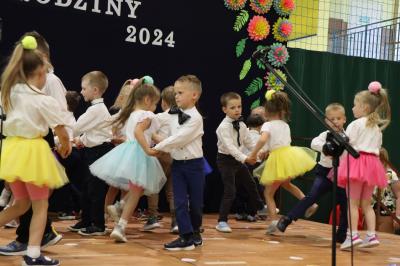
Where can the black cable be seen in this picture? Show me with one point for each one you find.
(304, 94)
(349, 209)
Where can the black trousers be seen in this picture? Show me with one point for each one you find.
(235, 173)
(94, 190)
(69, 197)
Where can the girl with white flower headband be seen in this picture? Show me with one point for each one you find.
(372, 112)
(27, 162)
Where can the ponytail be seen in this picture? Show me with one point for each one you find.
(24, 60)
(381, 115)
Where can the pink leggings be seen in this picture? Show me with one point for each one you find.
(30, 191)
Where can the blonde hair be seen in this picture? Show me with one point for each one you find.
(20, 67)
(226, 97)
(97, 79)
(333, 107)
(123, 95)
(379, 107)
(138, 93)
(193, 81)
(279, 104)
(168, 96)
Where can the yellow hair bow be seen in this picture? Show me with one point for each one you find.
(268, 94)
(29, 43)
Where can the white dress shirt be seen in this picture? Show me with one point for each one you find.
(363, 138)
(316, 144)
(55, 88)
(94, 127)
(32, 113)
(164, 120)
(185, 142)
(279, 134)
(255, 136)
(227, 139)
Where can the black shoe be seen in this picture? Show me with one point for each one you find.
(197, 240)
(152, 223)
(180, 244)
(50, 238)
(340, 237)
(92, 231)
(77, 227)
(40, 261)
(283, 222)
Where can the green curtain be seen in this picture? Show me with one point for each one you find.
(327, 78)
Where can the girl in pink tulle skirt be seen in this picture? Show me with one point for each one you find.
(360, 176)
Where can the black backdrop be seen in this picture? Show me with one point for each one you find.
(82, 41)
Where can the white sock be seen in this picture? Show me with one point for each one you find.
(354, 233)
(33, 251)
(122, 203)
(370, 233)
(123, 223)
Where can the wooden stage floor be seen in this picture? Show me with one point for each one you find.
(304, 243)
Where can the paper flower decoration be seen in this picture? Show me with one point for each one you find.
(278, 55)
(261, 6)
(274, 83)
(258, 28)
(235, 4)
(284, 7)
(282, 29)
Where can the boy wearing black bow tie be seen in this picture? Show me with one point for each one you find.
(185, 146)
(232, 135)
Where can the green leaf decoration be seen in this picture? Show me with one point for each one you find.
(254, 86)
(260, 64)
(241, 20)
(255, 104)
(240, 47)
(245, 69)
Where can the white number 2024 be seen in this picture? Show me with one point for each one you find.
(145, 36)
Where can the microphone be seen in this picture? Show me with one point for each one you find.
(261, 52)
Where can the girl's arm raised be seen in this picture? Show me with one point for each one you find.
(139, 135)
(261, 142)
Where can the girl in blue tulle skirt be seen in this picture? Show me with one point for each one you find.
(130, 165)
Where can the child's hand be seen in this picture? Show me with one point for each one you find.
(78, 143)
(116, 140)
(263, 155)
(152, 152)
(64, 150)
(251, 160)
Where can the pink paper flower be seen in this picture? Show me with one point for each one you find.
(261, 6)
(258, 28)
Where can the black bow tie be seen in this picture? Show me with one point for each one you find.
(182, 117)
(236, 126)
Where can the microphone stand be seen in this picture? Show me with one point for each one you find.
(340, 141)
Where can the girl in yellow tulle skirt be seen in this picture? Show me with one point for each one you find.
(31, 161)
(284, 161)
(27, 162)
